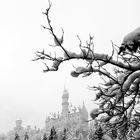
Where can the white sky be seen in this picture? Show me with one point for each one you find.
(26, 92)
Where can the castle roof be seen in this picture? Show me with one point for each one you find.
(65, 93)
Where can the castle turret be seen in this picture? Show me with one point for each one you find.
(65, 103)
(18, 125)
(84, 117)
(85, 112)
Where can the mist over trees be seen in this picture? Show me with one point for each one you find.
(118, 95)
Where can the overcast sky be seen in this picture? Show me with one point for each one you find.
(26, 92)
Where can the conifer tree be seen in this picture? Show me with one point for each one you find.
(53, 135)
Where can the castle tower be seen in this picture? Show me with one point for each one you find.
(65, 103)
(18, 125)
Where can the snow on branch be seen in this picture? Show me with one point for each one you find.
(121, 85)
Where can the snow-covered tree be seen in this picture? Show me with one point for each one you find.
(119, 93)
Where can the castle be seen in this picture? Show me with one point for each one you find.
(73, 120)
